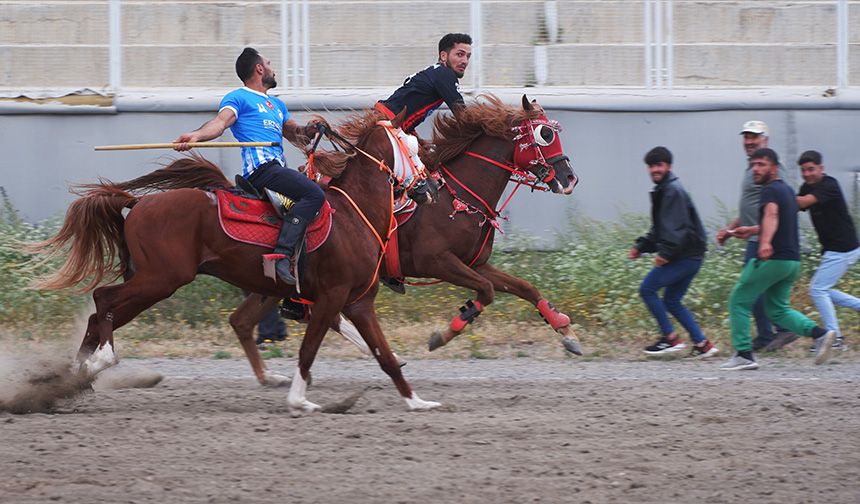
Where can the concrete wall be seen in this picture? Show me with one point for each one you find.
(600, 42)
(42, 153)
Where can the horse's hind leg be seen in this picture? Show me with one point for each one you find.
(503, 282)
(451, 269)
(363, 315)
(243, 321)
(90, 341)
(116, 305)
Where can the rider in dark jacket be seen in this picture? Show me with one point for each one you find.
(425, 91)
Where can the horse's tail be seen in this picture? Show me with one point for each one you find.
(192, 171)
(91, 240)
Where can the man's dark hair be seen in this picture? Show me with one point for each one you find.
(658, 155)
(766, 153)
(450, 40)
(810, 156)
(246, 62)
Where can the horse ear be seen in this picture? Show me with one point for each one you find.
(527, 106)
(399, 118)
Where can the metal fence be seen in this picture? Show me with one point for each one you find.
(116, 44)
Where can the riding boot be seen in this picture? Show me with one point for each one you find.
(292, 232)
(393, 283)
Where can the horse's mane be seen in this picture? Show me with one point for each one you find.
(354, 129)
(487, 115)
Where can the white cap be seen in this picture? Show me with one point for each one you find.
(757, 127)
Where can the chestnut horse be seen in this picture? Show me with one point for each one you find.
(477, 153)
(168, 238)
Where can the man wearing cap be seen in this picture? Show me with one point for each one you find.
(821, 195)
(755, 136)
(774, 270)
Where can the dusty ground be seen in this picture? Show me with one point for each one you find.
(511, 430)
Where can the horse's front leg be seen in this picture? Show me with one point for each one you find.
(326, 309)
(363, 315)
(243, 320)
(504, 282)
(449, 268)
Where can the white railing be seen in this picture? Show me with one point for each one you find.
(654, 44)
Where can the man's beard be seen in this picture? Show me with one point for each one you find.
(458, 74)
(270, 82)
(764, 179)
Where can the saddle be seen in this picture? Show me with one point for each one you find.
(247, 217)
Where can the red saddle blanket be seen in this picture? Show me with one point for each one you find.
(256, 222)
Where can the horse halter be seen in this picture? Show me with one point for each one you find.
(537, 146)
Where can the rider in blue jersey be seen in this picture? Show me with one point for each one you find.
(254, 116)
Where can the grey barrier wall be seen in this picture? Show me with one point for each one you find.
(45, 152)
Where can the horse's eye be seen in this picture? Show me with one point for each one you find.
(544, 135)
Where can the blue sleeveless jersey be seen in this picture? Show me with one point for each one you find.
(259, 118)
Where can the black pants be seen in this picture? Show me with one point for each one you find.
(308, 196)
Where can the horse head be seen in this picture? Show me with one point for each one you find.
(538, 150)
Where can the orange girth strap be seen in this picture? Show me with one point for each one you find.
(392, 225)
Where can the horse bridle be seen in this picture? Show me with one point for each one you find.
(537, 134)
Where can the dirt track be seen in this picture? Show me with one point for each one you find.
(511, 431)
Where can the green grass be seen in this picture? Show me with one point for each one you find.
(273, 352)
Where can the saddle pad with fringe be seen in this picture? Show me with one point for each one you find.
(254, 221)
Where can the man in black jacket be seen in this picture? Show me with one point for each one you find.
(678, 238)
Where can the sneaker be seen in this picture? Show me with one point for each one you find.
(838, 344)
(665, 345)
(824, 347)
(738, 363)
(263, 340)
(758, 344)
(781, 339)
(704, 351)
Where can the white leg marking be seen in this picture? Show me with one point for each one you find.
(103, 358)
(350, 333)
(415, 403)
(296, 398)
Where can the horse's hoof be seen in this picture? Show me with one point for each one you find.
(572, 345)
(415, 403)
(436, 340)
(304, 405)
(100, 360)
(275, 380)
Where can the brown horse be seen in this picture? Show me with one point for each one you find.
(168, 238)
(506, 141)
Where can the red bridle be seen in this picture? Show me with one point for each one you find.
(538, 145)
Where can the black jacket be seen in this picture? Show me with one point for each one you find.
(676, 230)
(423, 92)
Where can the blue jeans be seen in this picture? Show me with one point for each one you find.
(833, 266)
(308, 196)
(676, 277)
(272, 326)
(763, 327)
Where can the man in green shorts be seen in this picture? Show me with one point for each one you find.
(774, 270)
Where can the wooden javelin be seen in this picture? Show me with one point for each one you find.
(190, 144)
